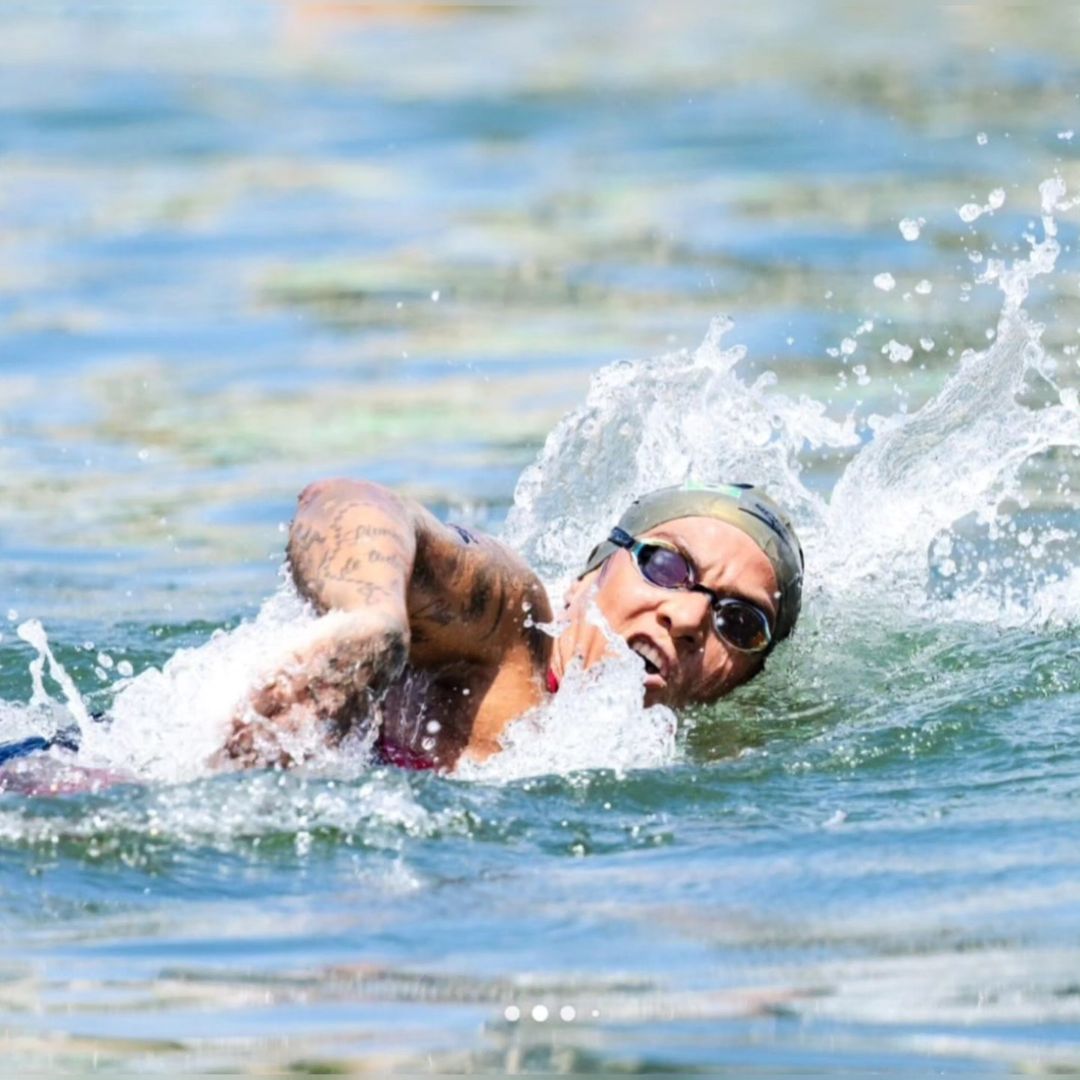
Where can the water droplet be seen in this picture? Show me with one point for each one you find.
(996, 199)
(926, 343)
(125, 669)
(897, 352)
(512, 1013)
(885, 282)
(435, 296)
(540, 1013)
(970, 212)
(924, 288)
(982, 138)
(143, 454)
(1066, 136)
(910, 228)
(848, 346)
(567, 1013)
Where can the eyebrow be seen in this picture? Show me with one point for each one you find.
(763, 601)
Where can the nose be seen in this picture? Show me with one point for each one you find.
(686, 616)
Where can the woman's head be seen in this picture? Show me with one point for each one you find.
(700, 581)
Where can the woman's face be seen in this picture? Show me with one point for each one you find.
(672, 629)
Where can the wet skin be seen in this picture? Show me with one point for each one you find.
(673, 629)
(436, 633)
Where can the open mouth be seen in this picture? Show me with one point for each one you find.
(654, 660)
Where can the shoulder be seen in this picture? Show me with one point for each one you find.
(473, 595)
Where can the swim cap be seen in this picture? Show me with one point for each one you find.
(747, 508)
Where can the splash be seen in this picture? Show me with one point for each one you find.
(651, 423)
(961, 454)
(33, 633)
(166, 724)
(596, 721)
(898, 541)
(930, 518)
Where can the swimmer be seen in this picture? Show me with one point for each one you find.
(436, 634)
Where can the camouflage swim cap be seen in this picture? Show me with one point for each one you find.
(747, 508)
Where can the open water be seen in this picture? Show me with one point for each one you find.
(523, 261)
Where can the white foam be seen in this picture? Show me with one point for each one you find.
(166, 724)
(596, 721)
(889, 526)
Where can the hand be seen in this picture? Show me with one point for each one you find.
(583, 636)
(320, 689)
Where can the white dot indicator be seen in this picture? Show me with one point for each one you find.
(567, 1013)
(539, 1013)
(512, 1013)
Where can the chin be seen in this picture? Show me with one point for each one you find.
(656, 695)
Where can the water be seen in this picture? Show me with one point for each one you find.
(483, 252)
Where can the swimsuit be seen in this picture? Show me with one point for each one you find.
(33, 744)
(386, 752)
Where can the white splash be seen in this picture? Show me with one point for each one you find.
(33, 633)
(961, 453)
(596, 721)
(166, 724)
(650, 423)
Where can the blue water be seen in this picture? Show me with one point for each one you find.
(246, 246)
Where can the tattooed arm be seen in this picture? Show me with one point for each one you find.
(396, 586)
(352, 547)
(357, 547)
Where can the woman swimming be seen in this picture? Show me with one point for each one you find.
(440, 636)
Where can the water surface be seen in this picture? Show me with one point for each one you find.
(249, 246)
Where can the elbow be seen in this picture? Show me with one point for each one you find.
(338, 487)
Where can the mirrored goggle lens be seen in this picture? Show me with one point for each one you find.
(742, 625)
(664, 567)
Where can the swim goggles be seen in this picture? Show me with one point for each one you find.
(738, 623)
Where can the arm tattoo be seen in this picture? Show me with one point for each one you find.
(376, 556)
(329, 547)
(367, 591)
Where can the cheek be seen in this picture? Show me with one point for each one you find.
(716, 670)
(620, 594)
